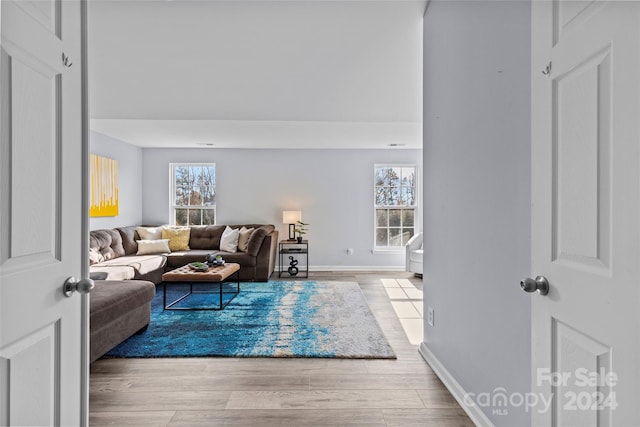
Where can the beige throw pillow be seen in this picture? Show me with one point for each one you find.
(148, 247)
(229, 240)
(243, 239)
(178, 237)
(149, 233)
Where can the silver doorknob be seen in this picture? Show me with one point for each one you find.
(72, 285)
(540, 284)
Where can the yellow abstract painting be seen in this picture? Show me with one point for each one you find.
(104, 186)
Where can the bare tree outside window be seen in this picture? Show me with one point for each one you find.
(194, 193)
(395, 205)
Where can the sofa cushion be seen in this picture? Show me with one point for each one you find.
(255, 241)
(129, 237)
(206, 236)
(178, 237)
(145, 264)
(107, 242)
(268, 227)
(114, 272)
(146, 247)
(178, 259)
(245, 260)
(416, 256)
(112, 299)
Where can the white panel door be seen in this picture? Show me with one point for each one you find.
(586, 212)
(41, 217)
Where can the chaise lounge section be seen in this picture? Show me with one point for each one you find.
(117, 310)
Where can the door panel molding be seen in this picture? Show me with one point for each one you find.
(581, 165)
(37, 352)
(33, 223)
(576, 357)
(5, 155)
(568, 15)
(47, 13)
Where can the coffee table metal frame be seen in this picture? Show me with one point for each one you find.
(220, 284)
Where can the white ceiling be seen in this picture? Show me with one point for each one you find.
(257, 74)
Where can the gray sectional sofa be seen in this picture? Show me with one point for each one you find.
(116, 251)
(120, 304)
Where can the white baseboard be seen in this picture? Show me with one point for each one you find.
(454, 387)
(397, 268)
(357, 268)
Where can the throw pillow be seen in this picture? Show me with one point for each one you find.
(243, 239)
(149, 233)
(95, 256)
(147, 247)
(178, 237)
(229, 240)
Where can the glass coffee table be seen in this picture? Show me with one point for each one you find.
(210, 282)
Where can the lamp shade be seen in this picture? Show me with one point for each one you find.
(291, 217)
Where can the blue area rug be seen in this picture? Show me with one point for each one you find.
(273, 319)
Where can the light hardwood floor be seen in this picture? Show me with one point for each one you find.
(287, 392)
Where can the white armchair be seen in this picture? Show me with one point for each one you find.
(413, 257)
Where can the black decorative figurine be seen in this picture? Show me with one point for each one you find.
(293, 270)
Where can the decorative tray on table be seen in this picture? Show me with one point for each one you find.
(199, 266)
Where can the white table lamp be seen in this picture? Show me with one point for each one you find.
(291, 218)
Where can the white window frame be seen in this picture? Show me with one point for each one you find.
(416, 207)
(172, 192)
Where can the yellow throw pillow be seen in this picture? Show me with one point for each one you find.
(178, 238)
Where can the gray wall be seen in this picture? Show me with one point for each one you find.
(332, 188)
(477, 194)
(129, 160)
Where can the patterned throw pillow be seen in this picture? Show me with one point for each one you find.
(178, 238)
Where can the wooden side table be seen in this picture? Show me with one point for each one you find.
(287, 251)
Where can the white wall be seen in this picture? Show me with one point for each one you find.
(477, 194)
(332, 188)
(129, 159)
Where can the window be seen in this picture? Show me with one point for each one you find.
(395, 205)
(193, 193)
